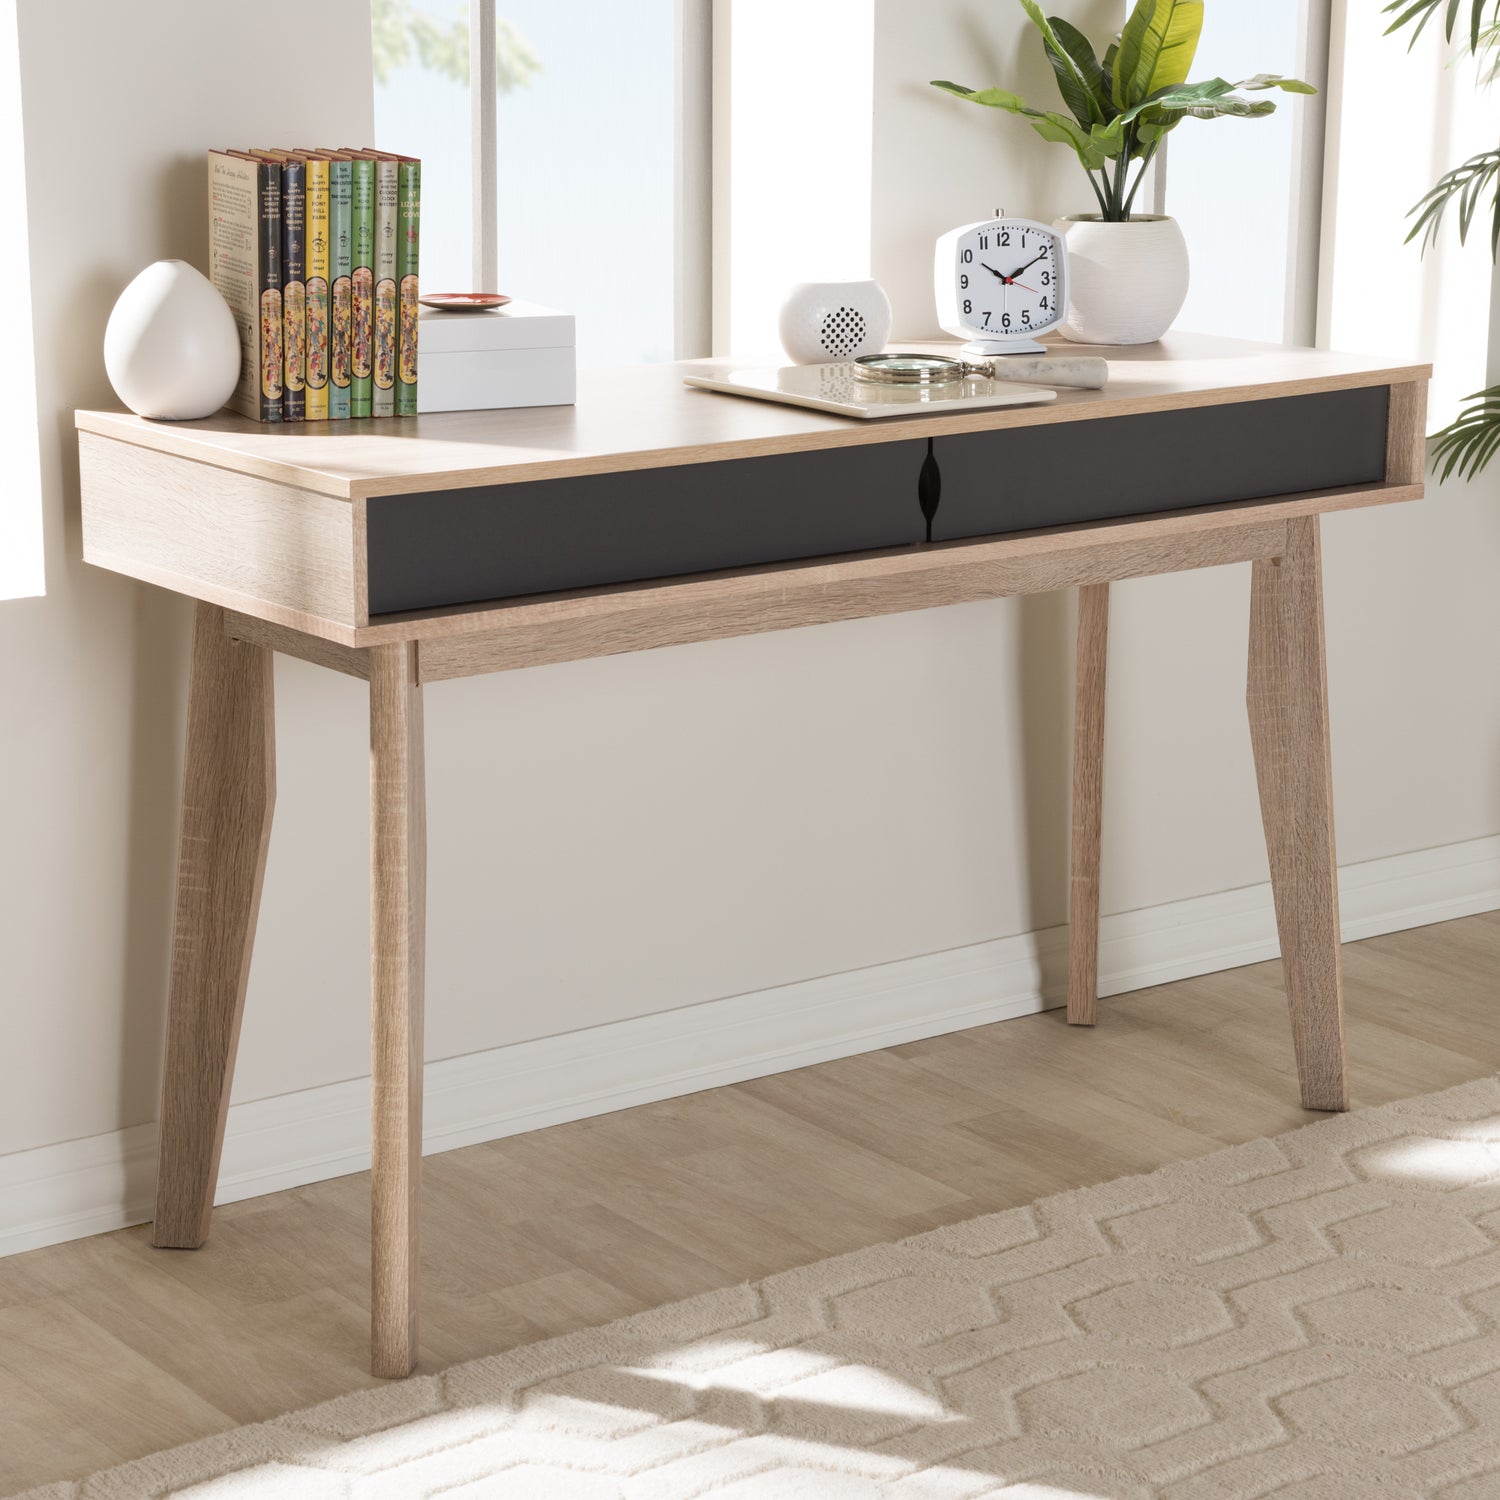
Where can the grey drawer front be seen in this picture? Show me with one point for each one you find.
(1021, 478)
(497, 542)
(502, 541)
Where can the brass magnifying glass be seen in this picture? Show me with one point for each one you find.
(919, 369)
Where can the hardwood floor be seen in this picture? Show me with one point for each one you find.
(110, 1349)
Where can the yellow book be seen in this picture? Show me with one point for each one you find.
(319, 260)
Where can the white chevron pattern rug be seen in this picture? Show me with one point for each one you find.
(1312, 1317)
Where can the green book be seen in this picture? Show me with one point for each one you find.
(341, 232)
(362, 286)
(408, 256)
(386, 193)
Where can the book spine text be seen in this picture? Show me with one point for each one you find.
(294, 287)
(318, 256)
(341, 236)
(271, 375)
(386, 195)
(362, 293)
(236, 266)
(408, 257)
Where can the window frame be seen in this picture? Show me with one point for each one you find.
(692, 230)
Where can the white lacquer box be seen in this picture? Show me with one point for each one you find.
(522, 355)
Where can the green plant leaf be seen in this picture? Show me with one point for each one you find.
(1276, 81)
(1422, 11)
(1209, 100)
(1472, 439)
(1156, 49)
(993, 98)
(1081, 50)
(1059, 128)
(1465, 183)
(1127, 51)
(1078, 79)
(1047, 124)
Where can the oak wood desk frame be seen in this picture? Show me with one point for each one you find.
(265, 531)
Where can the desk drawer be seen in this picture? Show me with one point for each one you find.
(1020, 478)
(505, 540)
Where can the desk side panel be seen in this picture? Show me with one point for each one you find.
(248, 544)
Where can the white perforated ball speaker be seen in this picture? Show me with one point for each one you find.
(825, 321)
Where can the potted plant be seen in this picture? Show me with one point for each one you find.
(1129, 271)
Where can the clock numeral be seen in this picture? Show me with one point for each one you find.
(1005, 321)
(1045, 304)
(967, 257)
(984, 242)
(1005, 236)
(1025, 315)
(963, 283)
(1046, 278)
(986, 319)
(968, 306)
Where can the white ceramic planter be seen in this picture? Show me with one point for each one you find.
(171, 348)
(824, 321)
(1126, 282)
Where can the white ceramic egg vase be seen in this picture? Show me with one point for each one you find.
(826, 321)
(1126, 281)
(171, 348)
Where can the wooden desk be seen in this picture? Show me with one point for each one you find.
(407, 552)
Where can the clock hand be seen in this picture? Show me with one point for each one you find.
(994, 272)
(1034, 259)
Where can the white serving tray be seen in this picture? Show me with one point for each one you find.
(834, 388)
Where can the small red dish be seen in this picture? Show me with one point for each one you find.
(463, 301)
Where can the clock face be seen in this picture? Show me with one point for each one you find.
(1008, 279)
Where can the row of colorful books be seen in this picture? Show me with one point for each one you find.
(316, 253)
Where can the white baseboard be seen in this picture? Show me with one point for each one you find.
(104, 1182)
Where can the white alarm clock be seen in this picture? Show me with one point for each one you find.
(1001, 282)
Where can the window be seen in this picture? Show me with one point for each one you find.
(793, 191)
(591, 144)
(1230, 183)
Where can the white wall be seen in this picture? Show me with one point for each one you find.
(21, 553)
(940, 161)
(614, 838)
(120, 105)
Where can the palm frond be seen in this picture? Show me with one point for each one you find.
(1468, 443)
(1466, 183)
(1422, 11)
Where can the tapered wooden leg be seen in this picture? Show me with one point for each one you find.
(1287, 698)
(398, 840)
(228, 791)
(1088, 803)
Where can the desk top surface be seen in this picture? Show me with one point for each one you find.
(645, 417)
